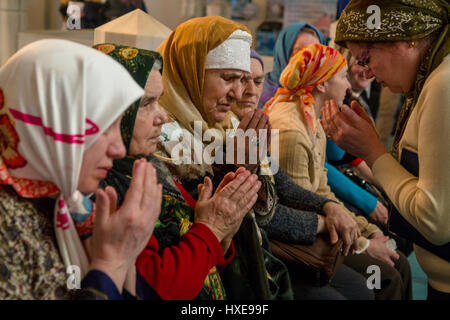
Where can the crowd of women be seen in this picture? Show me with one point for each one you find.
(103, 167)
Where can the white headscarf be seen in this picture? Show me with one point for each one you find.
(56, 98)
(233, 53)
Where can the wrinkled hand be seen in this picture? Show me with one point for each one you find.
(352, 130)
(119, 236)
(380, 213)
(339, 222)
(250, 153)
(223, 212)
(378, 250)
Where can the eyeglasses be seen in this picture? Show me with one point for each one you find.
(364, 59)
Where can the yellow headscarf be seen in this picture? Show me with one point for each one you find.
(311, 66)
(184, 53)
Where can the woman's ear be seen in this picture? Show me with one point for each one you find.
(322, 88)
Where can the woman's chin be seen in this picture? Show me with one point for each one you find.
(220, 117)
(88, 187)
(151, 150)
(394, 89)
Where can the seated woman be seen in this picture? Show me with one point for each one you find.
(202, 76)
(189, 235)
(314, 73)
(301, 215)
(60, 138)
(289, 42)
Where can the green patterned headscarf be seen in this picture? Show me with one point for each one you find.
(139, 63)
(401, 20)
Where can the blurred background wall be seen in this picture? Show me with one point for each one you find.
(23, 15)
(23, 21)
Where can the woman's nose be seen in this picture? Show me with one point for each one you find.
(250, 88)
(117, 149)
(236, 91)
(161, 116)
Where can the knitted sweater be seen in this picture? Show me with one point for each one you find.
(295, 219)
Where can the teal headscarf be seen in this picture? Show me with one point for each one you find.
(281, 55)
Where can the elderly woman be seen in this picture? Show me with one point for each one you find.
(206, 62)
(313, 74)
(57, 146)
(408, 53)
(189, 247)
(289, 42)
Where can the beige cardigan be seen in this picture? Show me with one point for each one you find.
(302, 157)
(425, 201)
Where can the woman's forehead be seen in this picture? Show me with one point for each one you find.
(228, 72)
(256, 66)
(154, 82)
(356, 47)
(359, 50)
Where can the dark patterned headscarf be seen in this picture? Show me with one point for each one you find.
(139, 63)
(401, 20)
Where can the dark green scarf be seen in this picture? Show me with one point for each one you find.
(401, 20)
(139, 63)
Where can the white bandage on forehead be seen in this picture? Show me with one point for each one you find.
(233, 53)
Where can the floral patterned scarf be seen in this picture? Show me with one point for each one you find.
(139, 63)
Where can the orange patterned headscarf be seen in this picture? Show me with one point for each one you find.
(311, 66)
